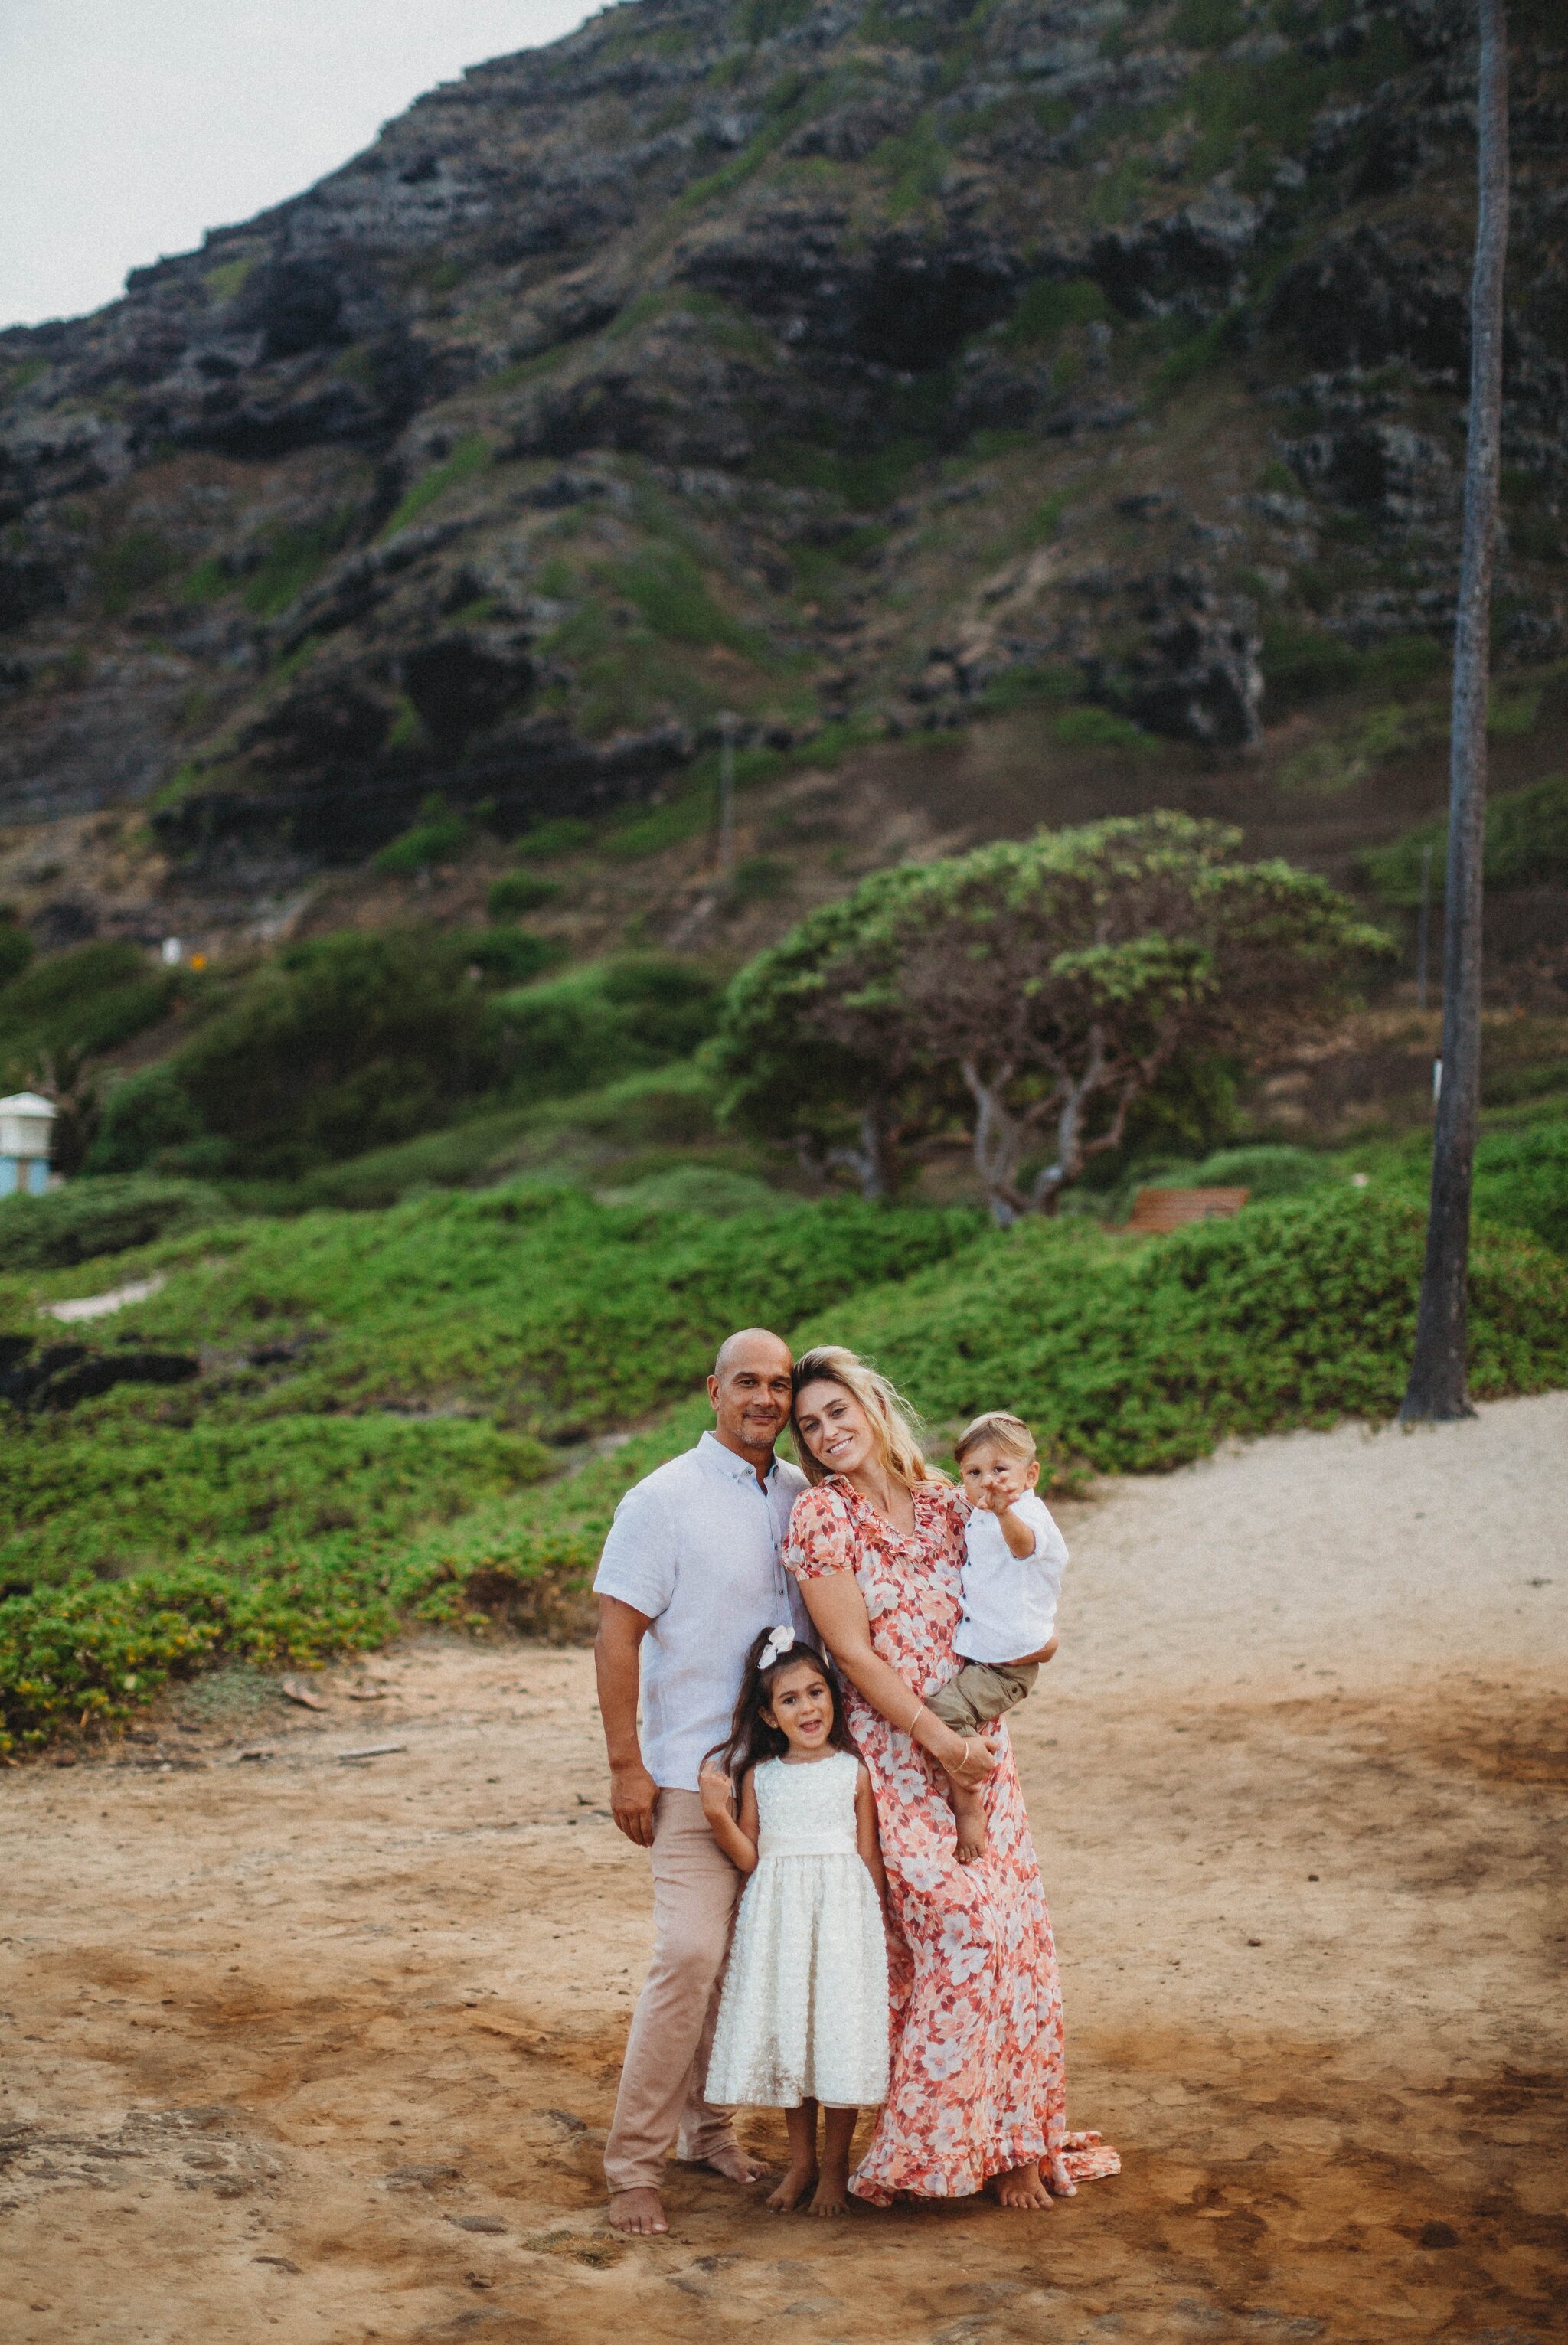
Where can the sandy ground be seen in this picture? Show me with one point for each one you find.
(324, 2047)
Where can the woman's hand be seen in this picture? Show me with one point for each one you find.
(717, 1793)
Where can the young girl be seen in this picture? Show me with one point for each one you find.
(803, 2019)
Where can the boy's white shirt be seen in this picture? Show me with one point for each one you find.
(1010, 1600)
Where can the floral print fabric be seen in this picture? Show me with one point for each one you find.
(977, 2083)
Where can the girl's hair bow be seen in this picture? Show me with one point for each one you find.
(780, 1642)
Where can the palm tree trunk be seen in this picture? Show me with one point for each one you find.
(1437, 1385)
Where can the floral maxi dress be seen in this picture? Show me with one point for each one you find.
(977, 2080)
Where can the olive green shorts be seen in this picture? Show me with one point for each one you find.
(983, 1691)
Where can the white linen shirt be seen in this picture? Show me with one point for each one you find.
(698, 1546)
(1010, 1600)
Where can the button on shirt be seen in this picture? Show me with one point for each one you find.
(1010, 1600)
(699, 1548)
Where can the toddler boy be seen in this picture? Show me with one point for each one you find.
(1013, 1566)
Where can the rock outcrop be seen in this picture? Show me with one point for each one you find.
(804, 361)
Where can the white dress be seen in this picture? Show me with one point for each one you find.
(804, 2013)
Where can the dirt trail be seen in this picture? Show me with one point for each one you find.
(317, 2048)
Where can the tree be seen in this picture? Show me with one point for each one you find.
(845, 1084)
(1437, 1387)
(1062, 979)
(1040, 988)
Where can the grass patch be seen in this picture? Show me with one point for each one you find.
(292, 559)
(470, 455)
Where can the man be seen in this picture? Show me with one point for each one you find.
(691, 1571)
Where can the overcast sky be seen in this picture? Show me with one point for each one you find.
(129, 126)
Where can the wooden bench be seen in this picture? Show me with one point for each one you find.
(1171, 1209)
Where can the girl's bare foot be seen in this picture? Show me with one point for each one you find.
(831, 2196)
(637, 2211)
(832, 2192)
(1024, 2186)
(969, 1815)
(789, 2193)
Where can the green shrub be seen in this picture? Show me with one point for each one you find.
(706, 1188)
(581, 1030)
(1025, 687)
(89, 1217)
(16, 948)
(761, 879)
(1303, 664)
(142, 1117)
(1138, 1356)
(562, 835)
(1526, 846)
(90, 999)
(534, 1303)
(435, 837)
(1522, 1182)
(1267, 1170)
(1097, 729)
(510, 956)
(340, 1043)
(1049, 307)
(105, 1488)
(518, 892)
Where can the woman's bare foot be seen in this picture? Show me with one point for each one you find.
(969, 1815)
(831, 2196)
(787, 2197)
(636, 2212)
(1024, 2186)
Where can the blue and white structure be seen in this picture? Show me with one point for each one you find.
(26, 1129)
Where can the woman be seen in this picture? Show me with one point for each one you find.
(976, 2094)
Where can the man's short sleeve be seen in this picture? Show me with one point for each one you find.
(638, 1563)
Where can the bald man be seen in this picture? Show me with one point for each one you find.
(692, 1570)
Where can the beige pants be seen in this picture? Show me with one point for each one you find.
(660, 2101)
(983, 1691)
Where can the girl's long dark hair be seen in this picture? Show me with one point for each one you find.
(751, 1738)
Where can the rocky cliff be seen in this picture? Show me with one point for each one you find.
(868, 361)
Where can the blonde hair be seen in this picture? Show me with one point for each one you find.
(894, 1426)
(997, 1429)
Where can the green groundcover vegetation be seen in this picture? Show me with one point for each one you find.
(394, 1412)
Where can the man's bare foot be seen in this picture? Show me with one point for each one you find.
(792, 2189)
(636, 2212)
(969, 1815)
(1024, 2186)
(831, 2196)
(736, 2165)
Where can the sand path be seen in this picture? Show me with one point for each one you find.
(321, 2049)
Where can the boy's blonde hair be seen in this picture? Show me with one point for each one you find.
(997, 1430)
(893, 1422)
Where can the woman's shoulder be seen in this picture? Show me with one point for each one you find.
(821, 1533)
(826, 1501)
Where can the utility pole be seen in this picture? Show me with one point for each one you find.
(1437, 1388)
(726, 795)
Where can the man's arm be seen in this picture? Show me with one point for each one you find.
(615, 1655)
